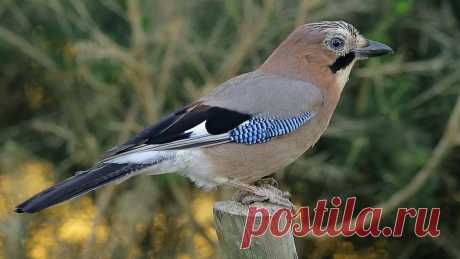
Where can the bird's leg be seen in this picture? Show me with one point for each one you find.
(267, 181)
(262, 191)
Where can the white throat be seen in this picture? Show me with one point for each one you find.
(343, 74)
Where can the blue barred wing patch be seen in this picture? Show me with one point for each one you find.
(260, 130)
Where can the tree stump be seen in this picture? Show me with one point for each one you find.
(230, 219)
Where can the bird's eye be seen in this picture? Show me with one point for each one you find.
(337, 43)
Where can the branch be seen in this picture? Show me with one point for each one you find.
(444, 146)
(185, 205)
(141, 78)
(27, 48)
(399, 67)
(249, 31)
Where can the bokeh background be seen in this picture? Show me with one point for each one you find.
(78, 77)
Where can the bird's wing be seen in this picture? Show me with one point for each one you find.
(264, 94)
(192, 125)
(250, 109)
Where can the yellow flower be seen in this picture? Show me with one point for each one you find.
(28, 179)
(41, 242)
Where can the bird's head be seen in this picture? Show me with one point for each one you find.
(323, 52)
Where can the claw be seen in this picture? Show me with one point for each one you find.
(265, 194)
(269, 181)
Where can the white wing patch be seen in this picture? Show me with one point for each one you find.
(198, 131)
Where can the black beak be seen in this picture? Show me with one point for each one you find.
(373, 49)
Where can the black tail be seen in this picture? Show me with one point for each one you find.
(77, 185)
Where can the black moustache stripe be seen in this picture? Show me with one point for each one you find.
(342, 62)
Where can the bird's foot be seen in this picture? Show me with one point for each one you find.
(269, 181)
(265, 193)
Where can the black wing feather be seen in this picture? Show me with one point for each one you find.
(221, 120)
(174, 126)
(77, 185)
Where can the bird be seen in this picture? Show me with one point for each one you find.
(245, 129)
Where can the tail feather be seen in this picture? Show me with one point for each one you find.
(79, 184)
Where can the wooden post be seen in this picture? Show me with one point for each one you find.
(230, 218)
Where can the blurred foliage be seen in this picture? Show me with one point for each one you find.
(77, 77)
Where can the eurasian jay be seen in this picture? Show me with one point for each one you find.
(245, 129)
